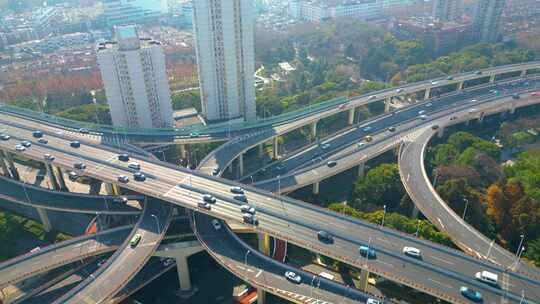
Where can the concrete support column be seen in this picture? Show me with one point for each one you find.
(316, 188)
(415, 212)
(95, 187)
(364, 280)
(241, 164)
(182, 268)
(52, 178)
(387, 102)
(492, 78)
(361, 169)
(523, 73)
(183, 151)
(351, 115)
(44, 219)
(261, 150)
(231, 167)
(460, 86)
(440, 132)
(11, 165)
(4, 166)
(112, 189)
(427, 94)
(313, 133)
(275, 148)
(512, 109)
(60, 178)
(180, 253)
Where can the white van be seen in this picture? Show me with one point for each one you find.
(487, 277)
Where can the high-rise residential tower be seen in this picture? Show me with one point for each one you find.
(225, 58)
(135, 80)
(486, 22)
(446, 10)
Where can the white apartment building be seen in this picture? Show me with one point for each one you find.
(318, 10)
(135, 79)
(225, 58)
(446, 10)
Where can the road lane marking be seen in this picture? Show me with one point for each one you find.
(440, 283)
(440, 222)
(441, 260)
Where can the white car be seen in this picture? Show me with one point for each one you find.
(421, 112)
(48, 157)
(20, 148)
(293, 277)
(216, 224)
(434, 82)
(412, 252)
(373, 301)
(372, 97)
(134, 166)
(168, 262)
(473, 100)
(237, 190)
(429, 104)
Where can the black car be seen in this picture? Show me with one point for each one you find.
(37, 134)
(331, 163)
(120, 200)
(43, 141)
(325, 237)
(4, 137)
(139, 176)
(73, 176)
(516, 96)
(75, 144)
(240, 197)
(215, 172)
(123, 157)
(26, 144)
(84, 131)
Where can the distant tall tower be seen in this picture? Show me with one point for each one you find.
(486, 23)
(225, 57)
(135, 80)
(446, 10)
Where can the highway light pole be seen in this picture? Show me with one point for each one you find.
(245, 258)
(522, 236)
(157, 223)
(384, 215)
(417, 228)
(465, 209)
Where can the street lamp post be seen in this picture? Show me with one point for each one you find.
(465, 209)
(522, 236)
(384, 215)
(245, 258)
(157, 223)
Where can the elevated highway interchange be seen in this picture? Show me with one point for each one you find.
(280, 217)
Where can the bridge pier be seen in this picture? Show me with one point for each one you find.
(351, 116)
(11, 165)
(4, 166)
(60, 178)
(241, 164)
(52, 177)
(112, 189)
(427, 94)
(387, 103)
(180, 252)
(264, 248)
(313, 133)
(183, 151)
(492, 78)
(316, 188)
(95, 187)
(261, 150)
(361, 169)
(512, 109)
(415, 212)
(275, 148)
(440, 132)
(523, 73)
(460, 86)
(364, 280)
(44, 219)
